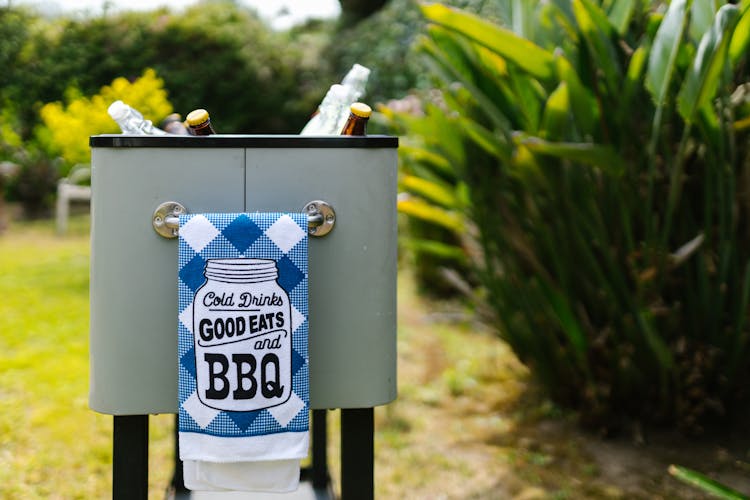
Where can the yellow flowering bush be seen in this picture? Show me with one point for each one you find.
(69, 126)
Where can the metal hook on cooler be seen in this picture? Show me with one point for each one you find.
(166, 218)
(320, 218)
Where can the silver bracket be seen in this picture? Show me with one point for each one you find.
(166, 222)
(320, 218)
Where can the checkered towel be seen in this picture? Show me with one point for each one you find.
(243, 360)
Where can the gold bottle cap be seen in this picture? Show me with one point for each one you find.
(196, 117)
(361, 109)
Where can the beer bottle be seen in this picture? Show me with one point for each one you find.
(359, 113)
(173, 124)
(199, 123)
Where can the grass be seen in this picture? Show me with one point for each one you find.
(467, 423)
(51, 444)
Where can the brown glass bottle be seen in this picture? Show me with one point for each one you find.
(173, 124)
(359, 114)
(199, 123)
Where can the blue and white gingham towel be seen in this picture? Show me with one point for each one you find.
(240, 427)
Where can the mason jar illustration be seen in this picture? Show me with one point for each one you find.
(243, 336)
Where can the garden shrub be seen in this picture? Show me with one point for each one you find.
(604, 150)
(69, 125)
(33, 185)
(215, 55)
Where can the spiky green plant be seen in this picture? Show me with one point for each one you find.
(603, 146)
(705, 483)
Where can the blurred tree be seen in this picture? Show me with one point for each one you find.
(15, 27)
(215, 55)
(353, 11)
(383, 42)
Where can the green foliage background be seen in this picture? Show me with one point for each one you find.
(593, 161)
(215, 55)
(383, 42)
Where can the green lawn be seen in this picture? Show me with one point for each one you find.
(51, 444)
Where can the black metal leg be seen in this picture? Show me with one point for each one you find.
(178, 481)
(319, 452)
(357, 454)
(130, 457)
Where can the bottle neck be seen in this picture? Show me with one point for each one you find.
(204, 128)
(355, 125)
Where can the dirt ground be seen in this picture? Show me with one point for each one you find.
(468, 424)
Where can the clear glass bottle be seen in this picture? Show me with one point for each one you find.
(326, 119)
(356, 124)
(199, 123)
(131, 121)
(355, 81)
(334, 109)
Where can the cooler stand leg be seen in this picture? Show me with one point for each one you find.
(357, 454)
(320, 477)
(178, 481)
(130, 457)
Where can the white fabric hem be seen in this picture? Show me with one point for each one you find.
(279, 476)
(281, 446)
